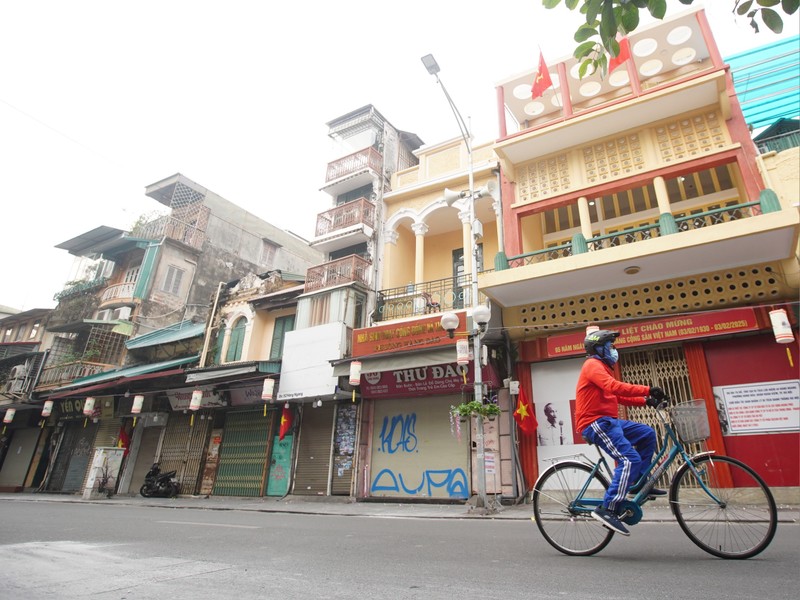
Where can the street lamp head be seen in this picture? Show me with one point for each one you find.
(449, 322)
(430, 64)
(481, 315)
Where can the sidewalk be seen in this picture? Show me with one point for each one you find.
(657, 511)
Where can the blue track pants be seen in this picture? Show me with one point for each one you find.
(630, 444)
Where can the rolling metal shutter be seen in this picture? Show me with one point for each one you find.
(243, 453)
(314, 451)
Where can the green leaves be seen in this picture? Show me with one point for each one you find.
(596, 38)
(772, 20)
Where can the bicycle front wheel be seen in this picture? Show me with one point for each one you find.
(564, 520)
(736, 522)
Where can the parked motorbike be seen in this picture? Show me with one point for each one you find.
(159, 485)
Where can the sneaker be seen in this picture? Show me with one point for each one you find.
(610, 520)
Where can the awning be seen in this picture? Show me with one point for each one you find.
(271, 367)
(174, 333)
(80, 391)
(397, 360)
(111, 378)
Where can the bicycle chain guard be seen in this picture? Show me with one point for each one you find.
(630, 512)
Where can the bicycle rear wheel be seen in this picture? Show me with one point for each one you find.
(565, 523)
(743, 520)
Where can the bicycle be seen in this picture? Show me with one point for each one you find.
(727, 522)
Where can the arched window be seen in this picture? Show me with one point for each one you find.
(236, 342)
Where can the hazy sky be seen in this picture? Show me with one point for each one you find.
(99, 99)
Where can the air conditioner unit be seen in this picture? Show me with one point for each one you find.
(18, 372)
(103, 315)
(122, 314)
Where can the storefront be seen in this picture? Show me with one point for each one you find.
(728, 358)
(74, 442)
(19, 442)
(186, 436)
(417, 449)
(245, 456)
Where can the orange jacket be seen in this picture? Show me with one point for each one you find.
(599, 394)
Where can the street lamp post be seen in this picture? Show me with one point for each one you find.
(480, 312)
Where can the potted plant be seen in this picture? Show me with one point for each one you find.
(475, 408)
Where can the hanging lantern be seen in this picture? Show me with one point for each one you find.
(9, 416)
(88, 406)
(780, 326)
(138, 402)
(462, 352)
(197, 400)
(47, 408)
(268, 389)
(355, 372)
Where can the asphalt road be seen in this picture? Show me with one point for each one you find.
(72, 550)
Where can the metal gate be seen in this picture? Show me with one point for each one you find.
(664, 366)
(314, 451)
(72, 462)
(243, 453)
(183, 448)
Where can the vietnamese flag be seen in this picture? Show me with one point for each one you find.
(286, 422)
(623, 55)
(124, 441)
(523, 415)
(542, 80)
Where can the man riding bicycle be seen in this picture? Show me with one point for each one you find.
(632, 445)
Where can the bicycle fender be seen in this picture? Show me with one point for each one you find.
(702, 454)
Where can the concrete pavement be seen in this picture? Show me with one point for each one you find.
(656, 511)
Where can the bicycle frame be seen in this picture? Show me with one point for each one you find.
(668, 453)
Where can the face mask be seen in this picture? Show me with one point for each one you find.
(613, 356)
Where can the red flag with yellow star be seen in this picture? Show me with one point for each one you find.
(286, 422)
(524, 416)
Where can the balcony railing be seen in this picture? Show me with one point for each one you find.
(358, 212)
(424, 298)
(368, 158)
(684, 222)
(172, 228)
(118, 291)
(70, 371)
(351, 269)
(779, 142)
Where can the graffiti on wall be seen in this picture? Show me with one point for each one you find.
(398, 436)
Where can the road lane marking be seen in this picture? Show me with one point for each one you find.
(210, 524)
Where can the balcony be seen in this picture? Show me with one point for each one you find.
(740, 234)
(352, 171)
(80, 288)
(424, 298)
(58, 375)
(779, 143)
(171, 228)
(117, 295)
(345, 225)
(351, 269)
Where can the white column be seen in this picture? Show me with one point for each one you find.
(419, 229)
(662, 196)
(586, 219)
